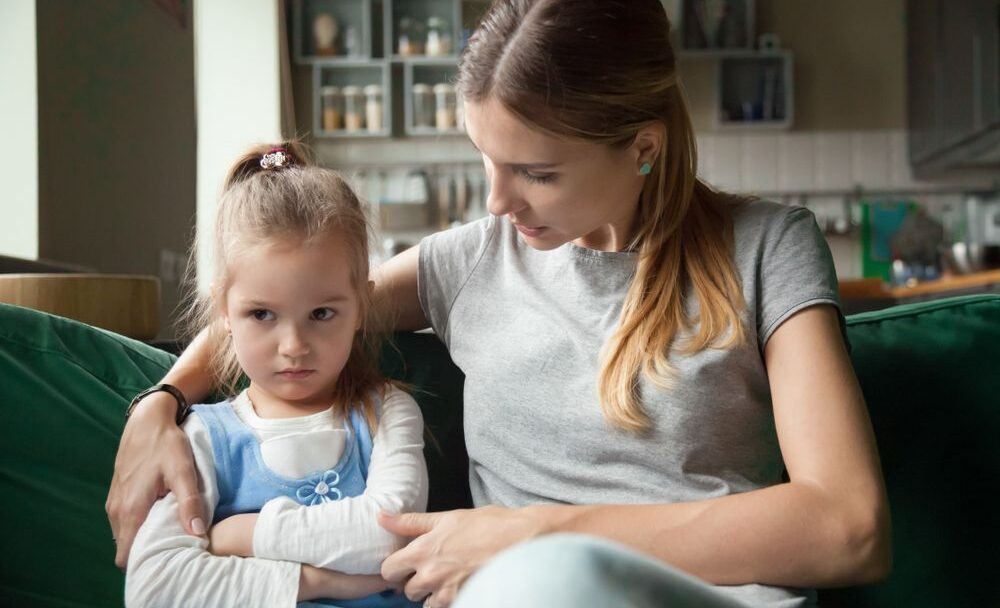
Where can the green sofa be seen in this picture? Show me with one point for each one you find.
(930, 372)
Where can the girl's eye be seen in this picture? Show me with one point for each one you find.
(539, 178)
(323, 314)
(262, 314)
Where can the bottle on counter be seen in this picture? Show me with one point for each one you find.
(333, 108)
(423, 106)
(444, 94)
(373, 108)
(354, 112)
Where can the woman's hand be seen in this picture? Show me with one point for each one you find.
(315, 583)
(154, 457)
(449, 547)
(233, 536)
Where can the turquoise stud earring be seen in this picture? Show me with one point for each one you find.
(645, 169)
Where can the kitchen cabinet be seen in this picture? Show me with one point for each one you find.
(953, 64)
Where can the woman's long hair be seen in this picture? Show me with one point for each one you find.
(600, 72)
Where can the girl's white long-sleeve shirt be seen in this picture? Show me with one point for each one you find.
(168, 567)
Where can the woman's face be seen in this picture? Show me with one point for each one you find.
(557, 190)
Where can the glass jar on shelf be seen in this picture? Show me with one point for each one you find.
(444, 94)
(354, 111)
(438, 37)
(410, 38)
(373, 108)
(423, 106)
(333, 108)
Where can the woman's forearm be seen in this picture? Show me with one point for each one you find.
(190, 372)
(798, 535)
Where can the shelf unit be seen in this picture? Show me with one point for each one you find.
(376, 58)
(755, 87)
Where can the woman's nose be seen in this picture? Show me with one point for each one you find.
(503, 198)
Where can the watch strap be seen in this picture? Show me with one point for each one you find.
(183, 409)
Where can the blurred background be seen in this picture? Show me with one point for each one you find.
(120, 117)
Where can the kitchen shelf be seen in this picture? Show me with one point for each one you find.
(755, 91)
(360, 74)
(709, 26)
(377, 60)
(354, 29)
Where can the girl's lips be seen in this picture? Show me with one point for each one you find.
(532, 232)
(296, 374)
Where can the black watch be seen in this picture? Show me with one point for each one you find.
(183, 409)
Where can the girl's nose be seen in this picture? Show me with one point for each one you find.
(293, 344)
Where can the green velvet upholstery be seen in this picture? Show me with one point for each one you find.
(930, 372)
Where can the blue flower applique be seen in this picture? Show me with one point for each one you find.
(320, 489)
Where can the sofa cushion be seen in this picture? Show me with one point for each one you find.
(930, 373)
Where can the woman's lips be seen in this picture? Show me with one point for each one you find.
(532, 232)
(296, 374)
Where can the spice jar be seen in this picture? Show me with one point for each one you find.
(423, 106)
(333, 108)
(409, 41)
(445, 103)
(373, 108)
(438, 37)
(354, 101)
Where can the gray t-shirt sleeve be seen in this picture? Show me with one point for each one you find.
(795, 271)
(447, 260)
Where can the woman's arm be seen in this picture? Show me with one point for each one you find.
(344, 535)
(154, 456)
(396, 289)
(828, 526)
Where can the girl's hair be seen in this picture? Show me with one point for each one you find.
(600, 72)
(298, 204)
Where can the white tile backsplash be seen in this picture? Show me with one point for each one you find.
(796, 162)
(870, 159)
(760, 163)
(833, 160)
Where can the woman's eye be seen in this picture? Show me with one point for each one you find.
(539, 178)
(262, 314)
(323, 314)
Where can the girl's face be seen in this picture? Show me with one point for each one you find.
(557, 190)
(293, 313)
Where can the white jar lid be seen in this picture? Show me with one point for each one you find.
(352, 90)
(421, 88)
(329, 90)
(444, 87)
(373, 89)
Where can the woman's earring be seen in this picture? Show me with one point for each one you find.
(645, 169)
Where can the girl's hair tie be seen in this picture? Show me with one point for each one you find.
(276, 158)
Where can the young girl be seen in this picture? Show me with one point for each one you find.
(290, 308)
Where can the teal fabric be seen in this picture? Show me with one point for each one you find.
(930, 373)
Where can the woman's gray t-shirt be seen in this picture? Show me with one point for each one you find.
(527, 327)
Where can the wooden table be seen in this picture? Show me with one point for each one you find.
(125, 304)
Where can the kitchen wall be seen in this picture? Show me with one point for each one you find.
(850, 118)
(116, 138)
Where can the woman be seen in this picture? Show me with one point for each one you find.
(644, 357)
